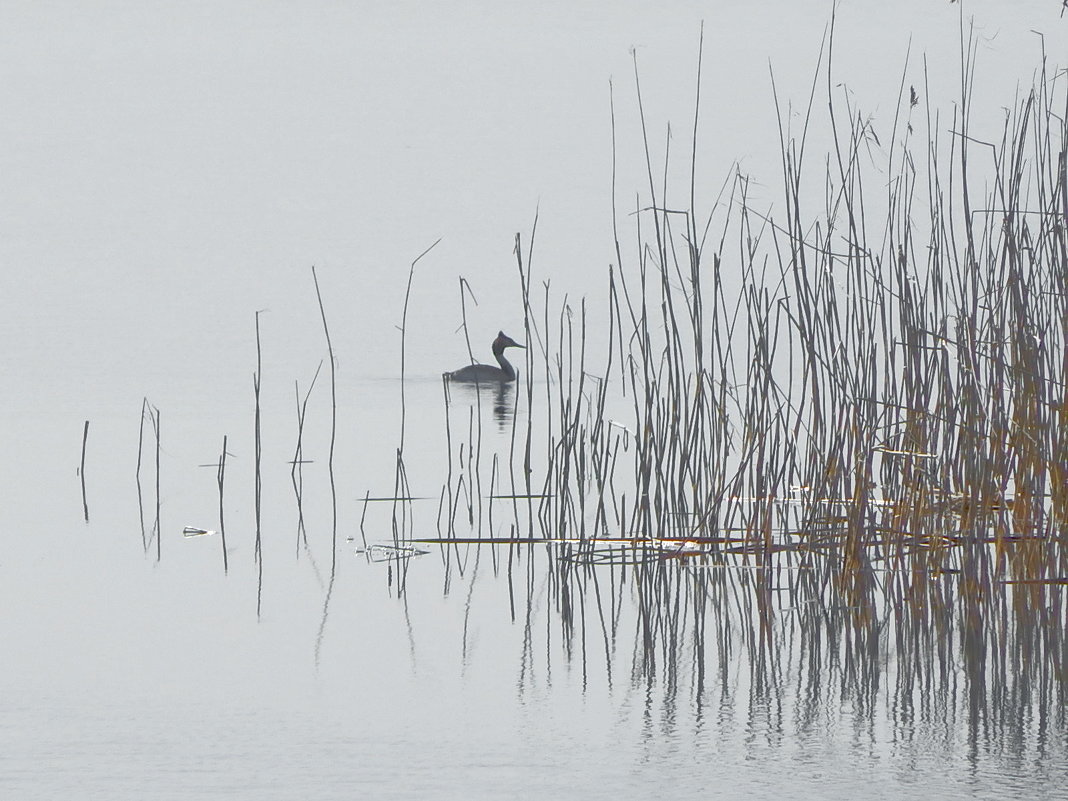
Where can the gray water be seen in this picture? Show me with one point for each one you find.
(170, 171)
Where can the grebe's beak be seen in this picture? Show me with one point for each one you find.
(506, 341)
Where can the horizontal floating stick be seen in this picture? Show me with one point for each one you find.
(398, 498)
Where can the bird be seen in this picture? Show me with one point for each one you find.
(486, 373)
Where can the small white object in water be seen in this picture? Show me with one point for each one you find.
(383, 553)
(193, 531)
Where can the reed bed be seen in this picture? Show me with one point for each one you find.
(842, 428)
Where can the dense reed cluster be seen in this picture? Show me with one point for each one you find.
(846, 426)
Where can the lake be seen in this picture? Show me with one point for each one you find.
(782, 512)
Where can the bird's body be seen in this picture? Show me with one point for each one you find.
(487, 373)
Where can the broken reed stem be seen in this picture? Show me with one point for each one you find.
(256, 436)
(81, 471)
(465, 290)
(137, 474)
(153, 418)
(363, 516)
(222, 522)
(159, 533)
(330, 469)
(258, 454)
(447, 494)
(333, 438)
(296, 473)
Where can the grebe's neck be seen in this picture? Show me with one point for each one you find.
(509, 371)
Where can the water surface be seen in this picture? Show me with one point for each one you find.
(171, 172)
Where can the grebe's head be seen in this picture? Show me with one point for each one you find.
(504, 341)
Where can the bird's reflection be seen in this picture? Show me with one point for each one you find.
(499, 396)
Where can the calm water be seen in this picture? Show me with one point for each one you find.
(170, 172)
(123, 675)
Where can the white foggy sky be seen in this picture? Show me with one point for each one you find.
(164, 163)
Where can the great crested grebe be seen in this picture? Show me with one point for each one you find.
(486, 373)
